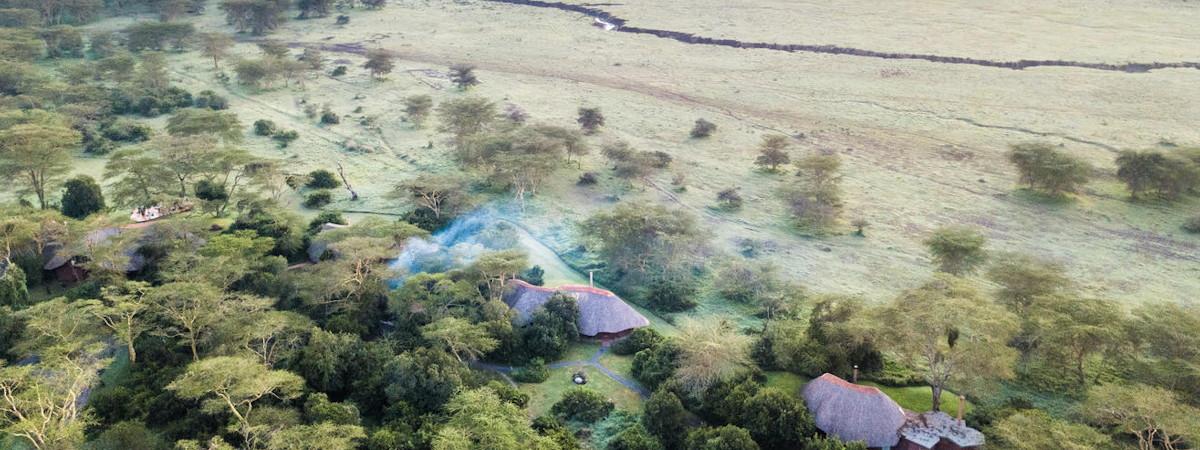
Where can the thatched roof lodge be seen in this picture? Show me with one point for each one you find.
(601, 313)
(854, 412)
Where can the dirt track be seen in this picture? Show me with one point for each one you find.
(688, 38)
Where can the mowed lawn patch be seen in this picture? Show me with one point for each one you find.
(913, 398)
(542, 396)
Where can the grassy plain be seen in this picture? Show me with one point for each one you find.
(922, 142)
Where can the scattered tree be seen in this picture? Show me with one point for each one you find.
(463, 76)
(1155, 416)
(590, 119)
(417, 109)
(38, 154)
(1047, 169)
(379, 62)
(233, 385)
(772, 152)
(729, 199)
(957, 250)
(215, 45)
(1152, 172)
(710, 351)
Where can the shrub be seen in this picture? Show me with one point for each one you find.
(318, 199)
(338, 71)
(329, 117)
(587, 179)
(582, 405)
(209, 99)
(533, 372)
(82, 197)
(634, 438)
(535, 276)
(640, 339)
(727, 437)
(670, 295)
(590, 120)
(323, 218)
(321, 179)
(285, 138)
(463, 76)
(123, 130)
(729, 199)
(264, 127)
(1192, 225)
(210, 191)
(417, 109)
(703, 129)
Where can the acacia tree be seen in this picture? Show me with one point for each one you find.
(465, 117)
(957, 250)
(417, 109)
(215, 45)
(644, 240)
(1073, 329)
(772, 152)
(192, 122)
(949, 331)
(233, 385)
(1154, 415)
(122, 309)
(463, 339)
(192, 309)
(478, 418)
(440, 194)
(1044, 168)
(38, 154)
(1036, 430)
(379, 62)
(40, 402)
(1156, 173)
(710, 351)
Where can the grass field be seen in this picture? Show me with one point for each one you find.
(922, 142)
(543, 395)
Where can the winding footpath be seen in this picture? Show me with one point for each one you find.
(593, 362)
(688, 38)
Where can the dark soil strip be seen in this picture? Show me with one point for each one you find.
(689, 38)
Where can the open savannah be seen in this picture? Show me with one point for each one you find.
(513, 224)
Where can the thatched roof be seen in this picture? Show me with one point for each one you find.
(600, 311)
(853, 412)
(927, 429)
(59, 256)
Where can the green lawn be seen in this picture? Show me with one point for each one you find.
(919, 398)
(543, 395)
(622, 365)
(580, 351)
(913, 398)
(786, 382)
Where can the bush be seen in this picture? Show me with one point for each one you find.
(669, 295)
(329, 117)
(587, 179)
(321, 179)
(703, 129)
(1192, 225)
(264, 127)
(534, 372)
(82, 197)
(285, 138)
(655, 365)
(957, 250)
(726, 437)
(1152, 172)
(318, 199)
(640, 339)
(634, 438)
(210, 191)
(535, 276)
(209, 99)
(729, 199)
(324, 218)
(123, 130)
(582, 405)
(338, 71)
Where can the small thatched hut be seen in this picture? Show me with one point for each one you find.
(67, 265)
(601, 313)
(853, 412)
